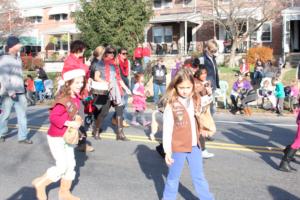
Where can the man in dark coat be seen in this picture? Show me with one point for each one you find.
(209, 61)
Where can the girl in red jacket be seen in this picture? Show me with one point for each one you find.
(63, 115)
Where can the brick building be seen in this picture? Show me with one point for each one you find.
(51, 25)
(178, 26)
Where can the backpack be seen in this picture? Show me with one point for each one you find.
(159, 74)
(287, 90)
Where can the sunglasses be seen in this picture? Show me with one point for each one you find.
(110, 52)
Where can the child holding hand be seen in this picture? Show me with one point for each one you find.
(139, 100)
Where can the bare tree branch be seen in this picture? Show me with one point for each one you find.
(11, 21)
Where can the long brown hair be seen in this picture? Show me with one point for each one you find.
(66, 89)
(182, 75)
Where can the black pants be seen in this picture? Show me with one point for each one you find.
(82, 129)
(202, 142)
(102, 109)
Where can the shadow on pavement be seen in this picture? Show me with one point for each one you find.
(280, 194)
(154, 168)
(35, 118)
(25, 193)
(80, 158)
(276, 135)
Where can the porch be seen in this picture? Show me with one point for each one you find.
(173, 34)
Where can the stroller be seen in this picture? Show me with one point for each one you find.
(48, 85)
(88, 111)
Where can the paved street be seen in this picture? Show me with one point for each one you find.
(245, 166)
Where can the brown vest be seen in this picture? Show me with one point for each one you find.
(182, 130)
(68, 104)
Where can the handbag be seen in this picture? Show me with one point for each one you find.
(71, 135)
(99, 88)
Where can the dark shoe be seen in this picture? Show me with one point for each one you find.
(208, 138)
(285, 152)
(2, 139)
(285, 166)
(289, 153)
(85, 148)
(26, 141)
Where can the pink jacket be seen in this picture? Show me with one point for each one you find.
(139, 102)
(58, 116)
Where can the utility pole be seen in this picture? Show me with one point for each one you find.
(214, 21)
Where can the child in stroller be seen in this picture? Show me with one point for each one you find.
(266, 91)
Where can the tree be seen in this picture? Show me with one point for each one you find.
(241, 18)
(120, 23)
(11, 21)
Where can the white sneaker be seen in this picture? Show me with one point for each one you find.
(152, 137)
(206, 154)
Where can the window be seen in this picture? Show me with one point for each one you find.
(188, 3)
(158, 4)
(266, 35)
(225, 1)
(34, 19)
(59, 17)
(61, 45)
(162, 34)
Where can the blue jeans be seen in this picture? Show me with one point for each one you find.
(195, 163)
(125, 104)
(258, 75)
(20, 108)
(156, 89)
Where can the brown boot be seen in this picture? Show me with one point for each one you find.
(120, 133)
(40, 185)
(64, 190)
(249, 111)
(114, 121)
(97, 129)
(246, 112)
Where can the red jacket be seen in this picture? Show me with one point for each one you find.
(58, 116)
(138, 52)
(246, 69)
(146, 52)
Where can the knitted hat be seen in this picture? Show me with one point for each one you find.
(70, 72)
(12, 41)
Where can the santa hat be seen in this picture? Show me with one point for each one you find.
(70, 72)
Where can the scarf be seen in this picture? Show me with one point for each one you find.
(108, 62)
(123, 66)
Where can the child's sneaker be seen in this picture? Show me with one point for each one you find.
(146, 123)
(134, 123)
(206, 154)
(152, 137)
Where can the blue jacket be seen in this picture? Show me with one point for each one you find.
(212, 72)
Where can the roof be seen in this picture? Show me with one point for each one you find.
(33, 12)
(291, 11)
(26, 4)
(178, 17)
(68, 28)
(59, 10)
